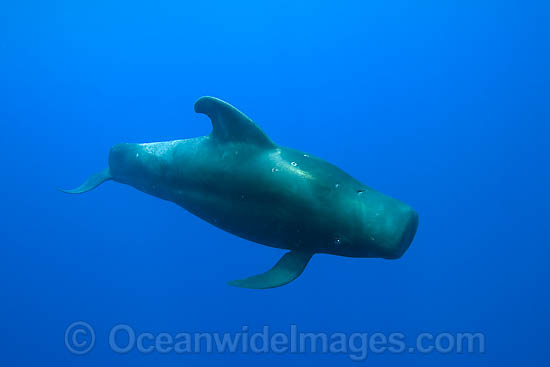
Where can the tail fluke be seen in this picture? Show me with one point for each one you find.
(91, 183)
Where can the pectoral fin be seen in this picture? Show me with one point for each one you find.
(91, 183)
(291, 265)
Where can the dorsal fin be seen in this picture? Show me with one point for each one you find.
(230, 124)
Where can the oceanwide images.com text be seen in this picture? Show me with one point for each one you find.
(80, 339)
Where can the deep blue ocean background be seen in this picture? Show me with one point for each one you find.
(441, 104)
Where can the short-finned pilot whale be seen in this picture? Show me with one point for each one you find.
(239, 180)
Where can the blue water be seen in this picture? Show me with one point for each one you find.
(443, 105)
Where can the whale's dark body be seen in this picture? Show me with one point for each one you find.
(237, 179)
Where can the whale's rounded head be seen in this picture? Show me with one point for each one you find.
(376, 225)
(401, 234)
(391, 227)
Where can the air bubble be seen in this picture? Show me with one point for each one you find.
(337, 185)
(274, 170)
(337, 242)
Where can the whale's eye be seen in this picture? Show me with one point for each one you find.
(359, 192)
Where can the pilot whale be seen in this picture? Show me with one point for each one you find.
(239, 180)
